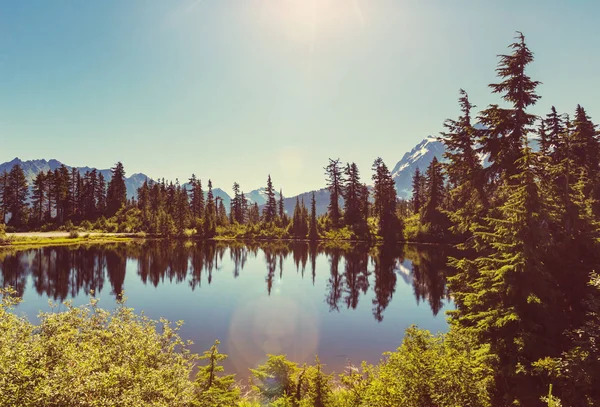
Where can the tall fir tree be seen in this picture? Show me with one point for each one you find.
(270, 209)
(335, 186)
(385, 202)
(313, 233)
(116, 195)
(506, 128)
(17, 197)
(352, 196)
(466, 195)
(3, 196)
(418, 191)
(38, 198)
(210, 214)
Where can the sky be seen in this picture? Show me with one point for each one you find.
(234, 90)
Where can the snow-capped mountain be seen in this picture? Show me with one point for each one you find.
(419, 157)
(259, 196)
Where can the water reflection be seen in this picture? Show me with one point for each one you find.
(66, 272)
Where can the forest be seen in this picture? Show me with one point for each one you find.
(527, 295)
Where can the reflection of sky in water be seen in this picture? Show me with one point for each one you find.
(295, 319)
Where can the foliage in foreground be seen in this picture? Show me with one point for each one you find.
(86, 356)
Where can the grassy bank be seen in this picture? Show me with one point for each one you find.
(37, 241)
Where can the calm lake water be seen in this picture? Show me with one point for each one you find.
(345, 304)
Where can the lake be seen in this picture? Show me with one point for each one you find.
(348, 303)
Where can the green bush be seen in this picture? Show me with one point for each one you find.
(73, 234)
(86, 225)
(67, 226)
(86, 356)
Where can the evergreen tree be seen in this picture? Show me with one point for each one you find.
(385, 202)
(418, 192)
(116, 195)
(253, 214)
(181, 214)
(210, 214)
(435, 196)
(236, 210)
(335, 186)
(222, 214)
(586, 153)
(313, 234)
(506, 128)
(39, 197)
(465, 195)
(244, 214)
(506, 297)
(196, 198)
(50, 197)
(4, 191)
(214, 390)
(352, 196)
(101, 195)
(16, 196)
(281, 209)
(270, 210)
(320, 390)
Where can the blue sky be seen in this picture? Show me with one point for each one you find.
(235, 90)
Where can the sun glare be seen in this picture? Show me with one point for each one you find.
(304, 20)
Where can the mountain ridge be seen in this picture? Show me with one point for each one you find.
(419, 156)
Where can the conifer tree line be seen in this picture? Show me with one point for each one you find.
(65, 196)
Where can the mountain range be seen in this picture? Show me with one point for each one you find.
(419, 157)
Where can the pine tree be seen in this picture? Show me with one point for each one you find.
(270, 210)
(254, 214)
(465, 196)
(335, 186)
(210, 214)
(586, 152)
(196, 198)
(101, 195)
(39, 197)
(181, 213)
(385, 202)
(214, 390)
(4, 190)
(244, 214)
(320, 390)
(313, 234)
(236, 206)
(352, 196)
(50, 198)
(506, 295)
(116, 195)
(554, 128)
(432, 213)
(17, 196)
(222, 219)
(506, 128)
(281, 209)
(418, 193)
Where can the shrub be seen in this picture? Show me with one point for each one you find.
(67, 226)
(86, 225)
(86, 356)
(73, 234)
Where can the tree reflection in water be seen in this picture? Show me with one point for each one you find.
(65, 272)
